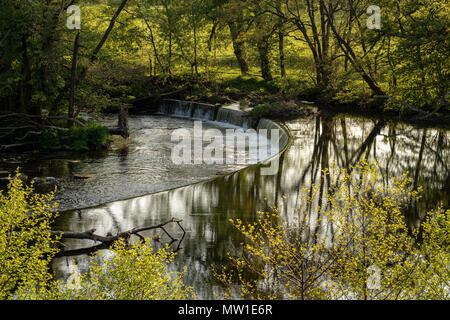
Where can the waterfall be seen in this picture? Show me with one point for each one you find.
(207, 112)
(230, 116)
(187, 109)
(176, 108)
(204, 111)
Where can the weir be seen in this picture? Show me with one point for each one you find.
(209, 112)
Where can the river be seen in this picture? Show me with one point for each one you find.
(206, 206)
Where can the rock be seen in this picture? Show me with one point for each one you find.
(117, 143)
(83, 176)
(74, 161)
(51, 180)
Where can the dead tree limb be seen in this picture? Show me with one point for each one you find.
(109, 239)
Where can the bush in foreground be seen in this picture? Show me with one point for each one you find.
(27, 248)
(26, 245)
(133, 272)
(355, 244)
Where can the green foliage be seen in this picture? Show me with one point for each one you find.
(252, 85)
(97, 135)
(407, 58)
(134, 272)
(91, 137)
(432, 271)
(261, 111)
(417, 32)
(78, 138)
(26, 245)
(282, 110)
(328, 251)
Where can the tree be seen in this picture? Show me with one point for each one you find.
(310, 19)
(418, 34)
(234, 14)
(265, 26)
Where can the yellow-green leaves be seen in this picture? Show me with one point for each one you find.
(133, 272)
(350, 242)
(26, 247)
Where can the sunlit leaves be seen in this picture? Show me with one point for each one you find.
(327, 253)
(133, 272)
(26, 246)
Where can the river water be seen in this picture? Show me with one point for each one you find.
(144, 166)
(206, 207)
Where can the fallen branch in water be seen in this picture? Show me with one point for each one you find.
(109, 239)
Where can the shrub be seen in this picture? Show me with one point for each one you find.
(97, 136)
(341, 235)
(260, 111)
(78, 138)
(50, 139)
(135, 272)
(282, 110)
(26, 245)
(92, 137)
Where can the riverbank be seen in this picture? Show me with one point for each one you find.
(250, 93)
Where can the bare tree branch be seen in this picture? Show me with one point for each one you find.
(109, 239)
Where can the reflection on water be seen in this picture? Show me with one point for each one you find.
(207, 206)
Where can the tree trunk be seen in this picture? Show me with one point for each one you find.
(322, 74)
(195, 48)
(239, 48)
(351, 55)
(71, 112)
(25, 90)
(282, 56)
(94, 54)
(263, 49)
